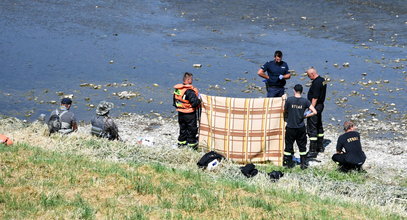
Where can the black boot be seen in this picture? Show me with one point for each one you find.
(304, 162)
(320, 144)
(288, 161)
(312, 153)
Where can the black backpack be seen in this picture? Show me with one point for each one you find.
(249, 170)
(209, 157)
(54, 122)
(275, 175)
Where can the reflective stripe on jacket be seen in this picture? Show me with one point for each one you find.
(181, 103)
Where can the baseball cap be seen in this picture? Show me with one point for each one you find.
(67, 101)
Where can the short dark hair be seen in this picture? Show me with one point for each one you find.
(187, 75)
(278, 53)
(298, 88)
(67, 101)
(348, 125)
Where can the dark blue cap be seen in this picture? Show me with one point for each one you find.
(67, 101)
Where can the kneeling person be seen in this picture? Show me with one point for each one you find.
(295, 109)
(353, 157)
(102, 124)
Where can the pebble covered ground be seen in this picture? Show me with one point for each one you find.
(152, 139)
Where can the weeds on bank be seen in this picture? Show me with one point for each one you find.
(327, 172)
(39, 184)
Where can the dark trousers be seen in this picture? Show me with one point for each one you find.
(314, 123)
(187, 127)
(274, 91)
(345, 166)
(298, 135)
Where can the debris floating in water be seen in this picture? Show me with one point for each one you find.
(197, 65)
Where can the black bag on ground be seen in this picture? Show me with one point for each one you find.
(54, 123)
(275, 175)
(209, 157)
(249, 170)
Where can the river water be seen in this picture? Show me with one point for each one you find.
(49, 48)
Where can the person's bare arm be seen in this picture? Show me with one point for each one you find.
(314, 102)
(262, 74)
(313, 111)
(74, 126)
(287, 76)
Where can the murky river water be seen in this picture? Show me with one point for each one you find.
(50, 48)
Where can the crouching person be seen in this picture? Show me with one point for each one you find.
(102, 124)
(353, 157)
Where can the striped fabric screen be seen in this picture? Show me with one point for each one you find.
(243, 129)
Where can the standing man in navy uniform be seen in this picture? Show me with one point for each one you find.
(277, 73)
(316, 95)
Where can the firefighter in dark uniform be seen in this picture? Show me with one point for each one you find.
(353, 157)
(277, 73)
(316, 95)
(186, 101)
(295, 109)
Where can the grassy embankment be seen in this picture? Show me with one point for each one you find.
(79, 176)
(37, 183)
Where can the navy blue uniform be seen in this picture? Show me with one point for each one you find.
(295, 129)
(275, 86)
(354, 157)
(314, 123)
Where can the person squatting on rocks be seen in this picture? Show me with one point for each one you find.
(353, 157)
(186, 101)
(62, 120)
(102, 124)
(295, 110)
(277, 73)
(316, 95)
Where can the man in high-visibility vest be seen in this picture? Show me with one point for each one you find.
(186, 102)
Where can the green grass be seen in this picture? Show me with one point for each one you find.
(330, 173)
(71, 186)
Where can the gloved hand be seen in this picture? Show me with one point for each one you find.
(264, 80)
(280, 77)
(307, 112)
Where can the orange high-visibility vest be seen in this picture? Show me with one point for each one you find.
(5, 140)
(181, 103)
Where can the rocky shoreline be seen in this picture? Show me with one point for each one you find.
(152, 138)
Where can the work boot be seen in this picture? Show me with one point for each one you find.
(320, 144)
(193, 145)
(288, 161)
(304, 162)
(182, 144)
(312, 153)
